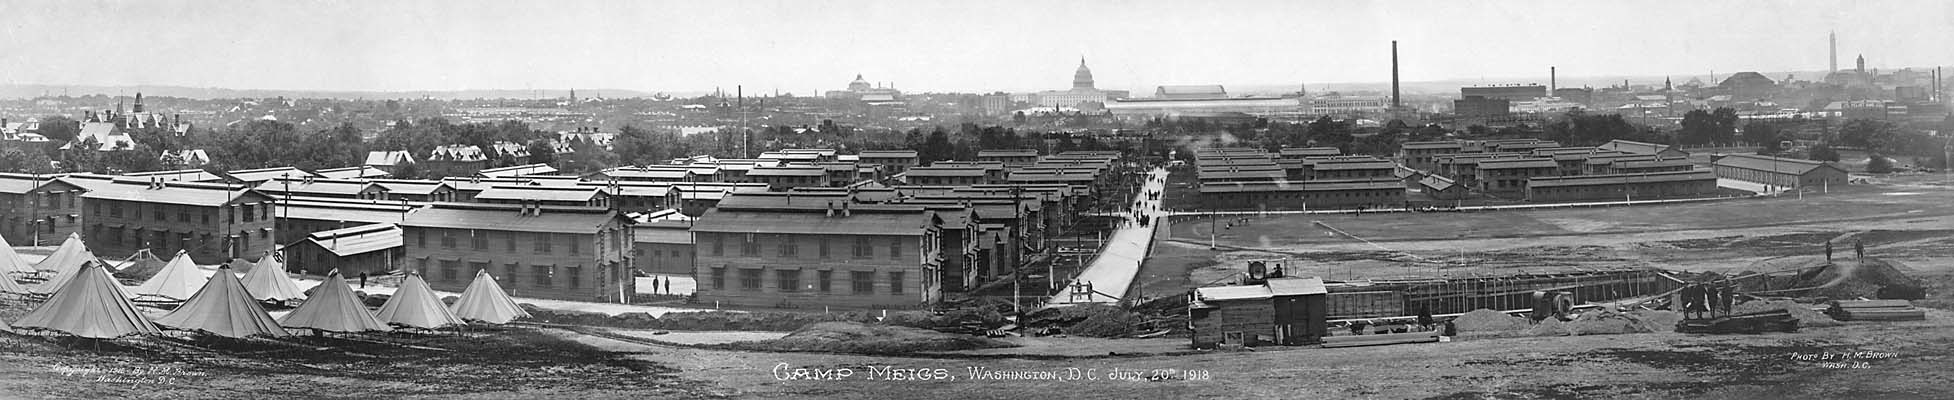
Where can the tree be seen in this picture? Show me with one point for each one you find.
(59, 129)
(1879, 164)
(1764, 134)
(30, 162)
(1872, 135)
(541, 151)
(1823, 153)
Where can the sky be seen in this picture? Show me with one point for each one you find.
(932, 46)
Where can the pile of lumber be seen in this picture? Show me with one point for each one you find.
(1380, 339)
(1875, 310)
(1776, 320)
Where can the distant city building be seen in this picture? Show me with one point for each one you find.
(1082, 91)
(1748, 85)
(1508, 93)
(1476, 106)
(861, 90)
(1348, 106)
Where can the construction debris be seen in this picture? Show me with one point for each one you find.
(1775, 320)
(1876, 310)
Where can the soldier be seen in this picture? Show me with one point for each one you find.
(1859, 249)
(1828, 251)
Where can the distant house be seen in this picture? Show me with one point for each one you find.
(185, 158)
(456, 160)
(389, 161)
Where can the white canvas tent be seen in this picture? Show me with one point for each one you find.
(10, 261)
(415, 305)
(223, 308)
(91, 305)
(267, 281)
(333, 308)
(485, 301)
(63, 263)
(7, 285)
(178, 280)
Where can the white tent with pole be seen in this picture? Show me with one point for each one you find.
(178, 280)
(223, 308)
(333, 308)
(63, 263)
(267, 281)
(485, 301)
(415, 305)
(10, 261)
(91, 305)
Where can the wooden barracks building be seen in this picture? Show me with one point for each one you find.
(819, 253)
(213, 221)
(552, 252)
(38, 207)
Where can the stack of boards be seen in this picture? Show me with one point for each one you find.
(1875, 310)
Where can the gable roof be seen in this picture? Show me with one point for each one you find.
(12, 183)
(268, 174)
(499, 217)
(857, 223)
(1634, 147)
(518, 170)
(184, 193)
(388, 158)
(543, 193)
(358, 240)
(1773, 164)
(363, 171)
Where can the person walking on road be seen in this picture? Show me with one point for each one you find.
(1828, 251)
(1859, 249)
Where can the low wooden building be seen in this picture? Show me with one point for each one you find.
(1298, 195)
(1279, 311)
(1654, 185)
(663, 247)
(372, 249)
(1779, 172)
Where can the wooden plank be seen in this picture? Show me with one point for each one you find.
(1384, 339)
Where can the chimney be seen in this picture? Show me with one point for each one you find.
(831, 209)
(1553, 80)
(1396, 102)
(1835, 52)
(844, 210)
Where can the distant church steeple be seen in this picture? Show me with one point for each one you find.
(1862, 63)
(138, 108)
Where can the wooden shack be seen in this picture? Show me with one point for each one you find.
(1283, 311)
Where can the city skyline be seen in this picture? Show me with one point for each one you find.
(932, 46)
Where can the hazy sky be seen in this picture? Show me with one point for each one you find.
(803, 46)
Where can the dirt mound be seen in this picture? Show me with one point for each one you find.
(1657, 320)
(1549, 327)
(1484, 320)
(1803, 312)
(1605, 322)
(852, 337)
(1104, 325)
(1850, 279)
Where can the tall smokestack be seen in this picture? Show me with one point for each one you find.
(1553, 80)
(1396, 102)
(1835, 51)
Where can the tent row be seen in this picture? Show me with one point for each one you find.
(88, 302)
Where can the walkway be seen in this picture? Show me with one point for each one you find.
(1112, 272)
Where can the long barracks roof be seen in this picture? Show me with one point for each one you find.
(887, 154)
(1431, 145)
(1256, 174)
(188, 175)
(1300, 186)
(185, 193)
(1437, 182)
(1618, 179)
(352, 172)
(12, 183)
(543, 193)
(267, 174)
(722, 220)
(418, 187)
(1773, 164)
(1630, 146)
(1309, 151)
(634, 189)
(1518, 163)
(501, 217)
(946, 171)
(788, 171)
(1007, 153)
(362, 211)
(314, 187)
(1662, 163)
(518, 170)
(1359, 165)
